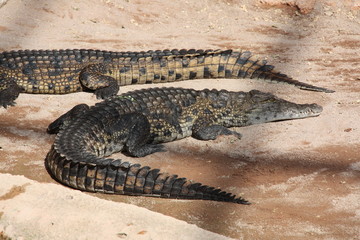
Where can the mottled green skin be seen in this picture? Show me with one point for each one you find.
(73, 70)
(136, 122)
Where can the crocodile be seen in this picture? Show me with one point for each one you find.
(138, 122)
(74, 70)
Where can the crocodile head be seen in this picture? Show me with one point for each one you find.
(259, 107)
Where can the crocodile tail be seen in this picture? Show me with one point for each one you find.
(246, 65)
(117, 177)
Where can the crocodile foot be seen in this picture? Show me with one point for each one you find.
(64, 119)
(8, 93)
(106, 92)
(213, 131)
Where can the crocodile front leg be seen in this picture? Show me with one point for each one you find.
(205, 129)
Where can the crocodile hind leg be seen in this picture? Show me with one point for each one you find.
(64, 119)
(93, 77)
(9, 91)
(132, 131)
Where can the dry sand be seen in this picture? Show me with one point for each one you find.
(302, 176)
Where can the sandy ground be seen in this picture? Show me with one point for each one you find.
(301, 176)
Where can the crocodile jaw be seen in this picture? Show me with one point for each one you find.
(282, 110)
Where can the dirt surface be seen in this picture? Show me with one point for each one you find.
(301, 176)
